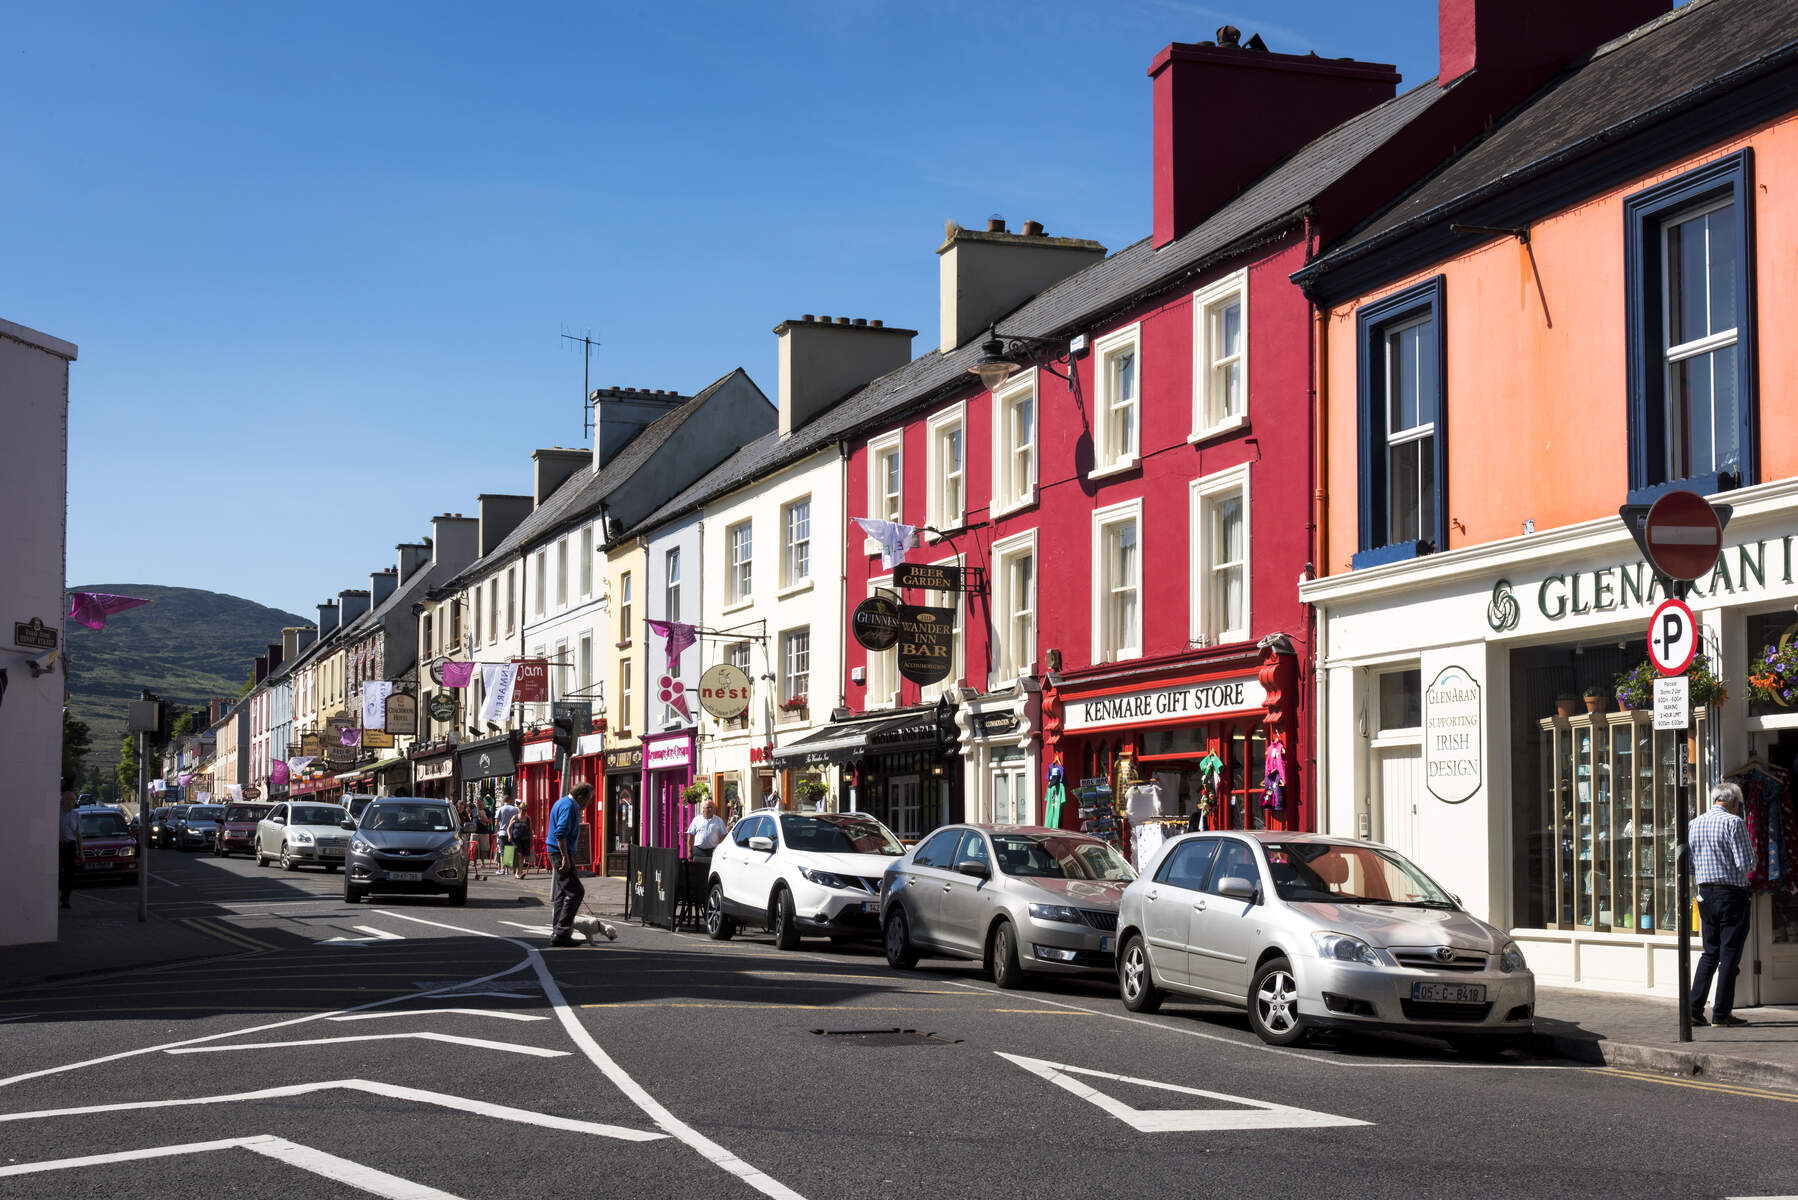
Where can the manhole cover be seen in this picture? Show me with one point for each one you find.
(887, 1037)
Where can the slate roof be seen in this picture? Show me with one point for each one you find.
(1081, 300)
(1670, 62)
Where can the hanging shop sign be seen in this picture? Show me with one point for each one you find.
(490, 760)
(311, 746)
(629, 759)
(442, 707)
(724, 691)
(999, 724)
(933, 577)
(377, 739)
(1453, 736)
(252, 792)
(1187, 701)
(402, 713)
(676, 752)
(441, 768)
(926, 643)
(875, 623)
(532, 685)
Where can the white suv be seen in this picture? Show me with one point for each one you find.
(800, 873)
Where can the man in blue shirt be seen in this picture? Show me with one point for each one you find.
(1721, 858)
(559, 842)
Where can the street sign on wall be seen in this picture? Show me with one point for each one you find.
(1672, 637)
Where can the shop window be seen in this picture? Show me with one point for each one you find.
(738, 576)
(1689, 294)
(1014, 608)
(1401, 700)
(1403, 444)
(1220, 560)
(946, 468)
(1117, 582)
(1221, 356)
(1014, 444)
(1117, 368)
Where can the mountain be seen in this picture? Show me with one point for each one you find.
(186, 645)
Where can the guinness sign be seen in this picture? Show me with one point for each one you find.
(926, 643)
(875, 623)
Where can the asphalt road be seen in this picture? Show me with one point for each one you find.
(409, 1049)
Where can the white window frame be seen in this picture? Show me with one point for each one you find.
(739, 573)
(1008, 665)
(560, 669)
(1672, 356)
(586, 562)
(542, 580)
(1015, 467)
(1107, 458)
(1391, 440)
(511, 596)
(493, 609)
(958, 670)
(624, 693)
(1206, 629)
(791, 581)
(474, 626)
(1017, 773)
(953, 419)
(561, 573)
(787, 674)
(882, 689)
(624, 610)
(671, 584)
(1208, 418)
(1104, 519)
(882, 505)
(584, 669)
(738, 655)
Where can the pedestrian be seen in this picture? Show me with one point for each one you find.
(483, 835)
(705, 831)
(1721, 858)
(502, 821)
(519, 837)
(560, 841)
(68, 847)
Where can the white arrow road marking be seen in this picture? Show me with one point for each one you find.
(422, 1012)
(362, 1178)
(379, 934)
(479, 1108)
(479, 1043)
(1260, 1114)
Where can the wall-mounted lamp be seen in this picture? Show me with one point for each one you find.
(1002, 355)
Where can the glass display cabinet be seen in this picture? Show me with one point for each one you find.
(1611, 782)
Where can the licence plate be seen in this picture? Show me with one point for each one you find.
(869, 906)
(405, 876)
(1104, 943)
(1450, 993)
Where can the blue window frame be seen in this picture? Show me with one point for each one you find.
(1689, 288)
(1402, 414)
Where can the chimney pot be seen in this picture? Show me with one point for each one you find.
(1033, 229)
(842, 320)
(995, 224)
(878, 324)
(824, 317)
(861, 321)
(808, 317)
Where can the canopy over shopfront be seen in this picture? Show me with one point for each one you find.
(850, 740)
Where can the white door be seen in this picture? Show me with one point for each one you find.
(1776, 920)
(1400, 772)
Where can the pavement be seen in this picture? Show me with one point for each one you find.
(99, 933)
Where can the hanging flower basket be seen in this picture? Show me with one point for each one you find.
(1773, 673)
(793, 704)
(1635, 688)
(696, 793)
(811, 790)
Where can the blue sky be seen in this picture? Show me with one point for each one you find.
(318, 257)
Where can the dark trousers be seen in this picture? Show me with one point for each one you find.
(566, 893)
(1723, 910)
(66, 866)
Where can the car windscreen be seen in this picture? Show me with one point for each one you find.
(103, 824)
(245, 812)
(838, 834)
(1051, 857)
(1333, 873)
(316, 814)
(203, 812)
(409, 818)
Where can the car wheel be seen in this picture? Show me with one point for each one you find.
(896, 937)
(1007, 972)
(1274, 1004)
(351, 893)
(786, 928)
(1136, 983)
(287, 861)
(459, 896)
(718, 927)
(261, 858)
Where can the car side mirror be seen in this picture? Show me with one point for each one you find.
(1236, 887)
(978, 870)
(761, 843)
(346, 823)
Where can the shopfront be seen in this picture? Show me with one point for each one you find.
(434, 773)
(667, 771)
(586, 765)
(1487, 714)
(487, 771)
(539, 777)
(896, 767)
(623, 784)
(999, 750)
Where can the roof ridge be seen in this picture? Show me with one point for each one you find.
(1624, 39)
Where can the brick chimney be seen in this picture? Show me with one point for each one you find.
(381, 585)
(261, 667)
(621, 413)
(552, 467)
(327, 618)
(822, 360)
(1525, 43)
(414, 557)
(985, 274)
(1225, 113)
(499, 515)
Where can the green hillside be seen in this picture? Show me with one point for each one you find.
(187, 645)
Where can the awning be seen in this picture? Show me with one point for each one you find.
(589, 744)
(539, 752)
(490, 758)
(849, 741)
(368, 769)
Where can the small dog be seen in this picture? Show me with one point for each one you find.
(593, 927)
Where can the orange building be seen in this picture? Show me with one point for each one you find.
(1584, 309)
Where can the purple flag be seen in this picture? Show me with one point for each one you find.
(277, 774)
(678, 638)
(186, 777)
(456, 674)
(349, 735)
(92, 608)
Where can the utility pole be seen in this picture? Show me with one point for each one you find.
(143, 828)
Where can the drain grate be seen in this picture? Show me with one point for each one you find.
(894, 1036)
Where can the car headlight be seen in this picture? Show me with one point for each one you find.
(823, 879)
(300, 837)
(1343, 948)
(1055, 912)
(1510, 958)
(360, 846)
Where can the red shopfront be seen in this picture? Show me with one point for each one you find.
(1201, 731)
(587, 765)
(539, 780)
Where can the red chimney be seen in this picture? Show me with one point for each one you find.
(1530, 40)
(1225, 114)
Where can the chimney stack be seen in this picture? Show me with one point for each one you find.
(291, 645)
(414, 557)
(261, 671)
(1225, 113)
(499, 515)
(822, 360)
(327, 618)
(276, 656)
(381, 585)
(1521, 44)
(454, 539)
(621, 413)
(552, 467)
(351, 604)
(983, 276)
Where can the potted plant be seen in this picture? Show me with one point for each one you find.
(1566, 704)
(812, 791)
(696, 793)
(1595, 698)
(795, 703)
(1773, 673)
(1635, 687)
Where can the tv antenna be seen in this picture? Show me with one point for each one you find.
(587, 344)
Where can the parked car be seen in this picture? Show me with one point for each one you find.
(1310, 932)
(104, 844)
(302, 831)
(355, 802)
(237, 829)
(799, 873)
(1017, 899)
(162, 828)
(197, 827)
(409, 845)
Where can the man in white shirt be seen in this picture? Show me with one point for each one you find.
(502, 821)
(705, 831)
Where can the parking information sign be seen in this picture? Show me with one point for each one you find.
(1672, 707)
(1672, 637)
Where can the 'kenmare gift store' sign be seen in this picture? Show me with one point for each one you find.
(1188, 701)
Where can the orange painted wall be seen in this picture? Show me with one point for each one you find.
(1536, 373)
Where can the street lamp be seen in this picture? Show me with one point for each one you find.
(1003, 354)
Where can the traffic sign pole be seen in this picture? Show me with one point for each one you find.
(1683, 893)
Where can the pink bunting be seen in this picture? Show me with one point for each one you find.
(456, 674)
(92, 608)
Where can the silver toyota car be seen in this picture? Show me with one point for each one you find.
(1310, 932)
(1019, 899)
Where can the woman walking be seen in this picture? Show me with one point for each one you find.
(519, 838)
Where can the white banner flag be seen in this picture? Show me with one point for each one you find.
(374, 703)
(497, 680)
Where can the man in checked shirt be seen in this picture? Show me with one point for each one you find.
(1721, 857)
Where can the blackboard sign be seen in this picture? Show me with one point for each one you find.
(926, 643)
(652, 885)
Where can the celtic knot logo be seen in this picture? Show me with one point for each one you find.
(1503, 612)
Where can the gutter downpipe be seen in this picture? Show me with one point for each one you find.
(1319, 536)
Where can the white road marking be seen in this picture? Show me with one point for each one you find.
(478, 1043)
(479, 1108)
(160, 879)
(19, 1017)
(542, 930)
(330, 1166)
(380, 934)
(760, 1180)
(1258, 1115)
(467, 1012)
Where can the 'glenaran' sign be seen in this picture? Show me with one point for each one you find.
(1452, 737)
(1189, 701)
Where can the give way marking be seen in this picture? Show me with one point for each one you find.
(1258, 1115)
(477, 1043)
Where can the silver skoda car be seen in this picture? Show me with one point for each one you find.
(1017, 898)
(408, 845)
(1309, 932)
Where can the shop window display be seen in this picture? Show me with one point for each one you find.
(1210, 776)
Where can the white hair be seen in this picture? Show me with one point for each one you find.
(1727, 793)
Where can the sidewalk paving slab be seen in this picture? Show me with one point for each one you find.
(100, 933)
(1642, 1033)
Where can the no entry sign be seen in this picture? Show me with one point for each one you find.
(1672, 637)
(1682, 536)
